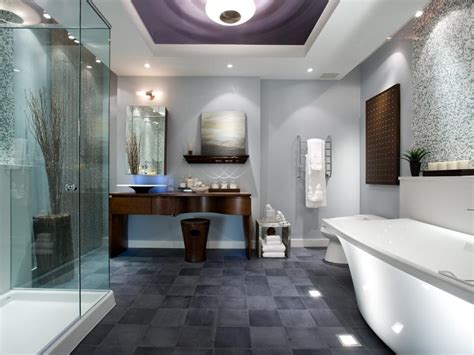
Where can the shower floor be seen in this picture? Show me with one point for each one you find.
(31, 319)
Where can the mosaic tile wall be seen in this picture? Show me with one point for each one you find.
(7, 108)
(443, 80)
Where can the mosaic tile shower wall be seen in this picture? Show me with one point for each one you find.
(443, 72)
(7, 108)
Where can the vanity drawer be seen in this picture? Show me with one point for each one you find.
(130, 205)
(165, 206)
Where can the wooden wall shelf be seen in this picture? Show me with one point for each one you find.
(208, 159)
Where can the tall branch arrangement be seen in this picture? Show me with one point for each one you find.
(133, 152)
(46, 120)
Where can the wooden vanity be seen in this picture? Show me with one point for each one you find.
(172, 204)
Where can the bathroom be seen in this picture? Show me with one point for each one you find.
(130, 279)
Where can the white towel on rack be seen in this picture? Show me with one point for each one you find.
(316, 153)
(315, 183)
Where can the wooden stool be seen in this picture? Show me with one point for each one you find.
(195, 232)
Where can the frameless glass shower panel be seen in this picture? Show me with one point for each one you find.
(94, 156)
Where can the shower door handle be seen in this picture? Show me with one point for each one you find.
(70, 187)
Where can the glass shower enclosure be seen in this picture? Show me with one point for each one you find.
(54, 119)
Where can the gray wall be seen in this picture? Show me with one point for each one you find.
(186, 98)
(389, 65)
(443, 75)
(311, 109)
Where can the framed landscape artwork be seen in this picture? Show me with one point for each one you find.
(223, 133)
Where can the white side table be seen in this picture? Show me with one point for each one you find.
(261, 227)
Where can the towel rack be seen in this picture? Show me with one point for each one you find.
(302, 150)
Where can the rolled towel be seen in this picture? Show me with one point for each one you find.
(273, 238)
(273, 248)
(270, 254)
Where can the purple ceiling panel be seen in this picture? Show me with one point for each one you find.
(276, 22)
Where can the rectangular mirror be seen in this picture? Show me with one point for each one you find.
(146, 140)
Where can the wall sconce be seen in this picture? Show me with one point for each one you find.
(149, 94)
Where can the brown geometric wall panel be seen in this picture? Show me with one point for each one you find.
(382, 133)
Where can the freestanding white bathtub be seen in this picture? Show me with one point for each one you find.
(395, 266)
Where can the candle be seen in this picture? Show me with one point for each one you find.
(442, 165)
(463, 164)
(432, 166)
(452, 165)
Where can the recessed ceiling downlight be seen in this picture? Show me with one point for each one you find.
(419, 13)
(230, 12)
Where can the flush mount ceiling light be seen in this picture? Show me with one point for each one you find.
(309, 70)
(230, 12)
(46, 15)
(230, 66)
(419, 13)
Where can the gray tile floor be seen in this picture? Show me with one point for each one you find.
(229, 305)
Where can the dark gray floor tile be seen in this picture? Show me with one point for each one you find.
(368, 338)
(261, 302)
(279, 281)
(325, 317)
(138, 316)
(256, 280)
(233, 317)
(272, 351)
(169, 317)
(350, 351)
(213, 264)
(296, 318)
(114, 350)
(224, 351)
(196, 337)
(264, 318)
(148, 301)
(210, 280)
(289, 303)
(276, 272)
(234, 291)
(208, 290)
(98, 334)
(153, 351)
(84, 349)
(176, 302)
(192, 351)
(233, 302)
(212, 272)
(268, 337)
(286, 291)
(115, 314)
(190, 272)
(232, 272)
(181, 290)
(305, 338)
(314, 302)
(232, 337)
(125, 335)
(204, 302)
(201, 317)
(312, 352)
(161, 337)
(258, 290)
(186, 280)
(233, 281)
(157, 289)
(164, 279)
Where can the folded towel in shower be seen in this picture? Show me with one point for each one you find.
(316, 153)
(269, 254)
(273, 248)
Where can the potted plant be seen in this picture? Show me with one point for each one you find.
(414, 156)
(52, 231)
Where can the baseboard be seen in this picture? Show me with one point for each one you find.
(309, 243)
(179, 244)
(224, 244)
